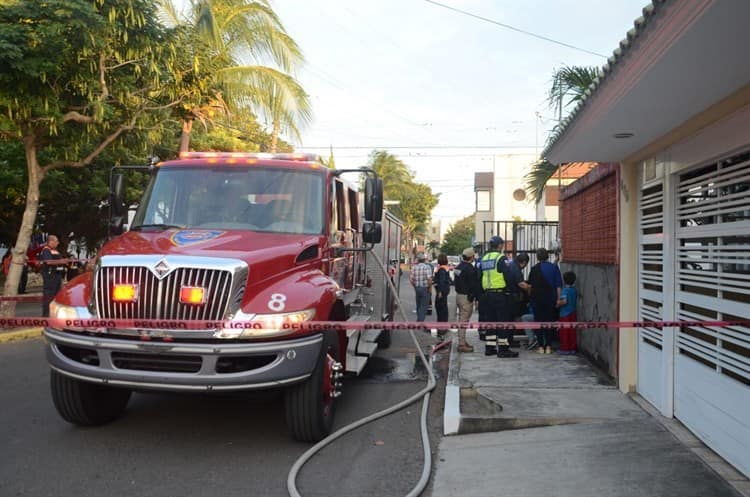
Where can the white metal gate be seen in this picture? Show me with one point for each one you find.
(651, 355)
(712, 282)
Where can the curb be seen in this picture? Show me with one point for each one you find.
(452, 408)
(11, 336)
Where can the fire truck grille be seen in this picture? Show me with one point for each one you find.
(160, 299)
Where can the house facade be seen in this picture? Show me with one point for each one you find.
(672, 111)
(500, 195)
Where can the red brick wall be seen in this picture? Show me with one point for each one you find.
(552, 196)
(588, 223)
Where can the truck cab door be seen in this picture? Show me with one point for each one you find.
(342, 235)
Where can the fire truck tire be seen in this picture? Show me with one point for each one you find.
(86, 404)
(309, 414)
(384, 339)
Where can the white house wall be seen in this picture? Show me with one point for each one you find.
(509, 172)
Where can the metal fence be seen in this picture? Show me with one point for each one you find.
(524, 237)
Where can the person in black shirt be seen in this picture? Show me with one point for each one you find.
(467, 293)
(53, 267)
(442, 282)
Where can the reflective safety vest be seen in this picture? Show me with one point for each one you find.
(491, 278)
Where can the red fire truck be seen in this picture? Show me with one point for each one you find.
(273, 239)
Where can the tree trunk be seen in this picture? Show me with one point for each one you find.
(187, 128)
(36, 175)
(275, 136)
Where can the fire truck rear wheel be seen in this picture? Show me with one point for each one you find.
(86, 404)
(309, 405)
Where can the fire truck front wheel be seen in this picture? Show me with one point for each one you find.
(86, 404)
(310, 405)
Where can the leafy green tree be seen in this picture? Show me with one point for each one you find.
(414, 201)
(75, 77)
(569, 84)
(225, 45)
(459, 236)
(12, 189)
(235, 132)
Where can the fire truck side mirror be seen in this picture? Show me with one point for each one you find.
(116, 204)
(117, 195)
(116, 226)
(374, 199)
(372, 232)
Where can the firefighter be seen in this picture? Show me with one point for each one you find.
(53, 267)
(496, 301)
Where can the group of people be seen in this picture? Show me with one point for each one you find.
(496, 284)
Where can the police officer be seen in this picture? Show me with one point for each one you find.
(496, 301)
(53, 267)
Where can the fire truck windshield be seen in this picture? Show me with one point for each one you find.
(255, 198)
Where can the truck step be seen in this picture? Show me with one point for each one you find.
(357, 318)
(361, 345)
(355, 364)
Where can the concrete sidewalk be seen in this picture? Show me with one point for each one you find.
(11, 334)
(551, 425)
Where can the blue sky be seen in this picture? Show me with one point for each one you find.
(411, 74)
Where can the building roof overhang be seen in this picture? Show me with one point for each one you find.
(679, 59)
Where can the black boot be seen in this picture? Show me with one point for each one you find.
(490, 344)
(505, 352)
(482, 335)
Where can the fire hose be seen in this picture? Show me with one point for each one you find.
(424, 394)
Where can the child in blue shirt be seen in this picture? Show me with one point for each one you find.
(567, 304)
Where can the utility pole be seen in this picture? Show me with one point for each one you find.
(536, 133)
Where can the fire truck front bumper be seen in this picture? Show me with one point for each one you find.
(171, 366)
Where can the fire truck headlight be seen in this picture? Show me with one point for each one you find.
(244, 325)
(67, 312)
(269, 325)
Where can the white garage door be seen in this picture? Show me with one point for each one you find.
(651, 353)
(712, 282)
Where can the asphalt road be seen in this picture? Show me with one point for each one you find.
(180, 445)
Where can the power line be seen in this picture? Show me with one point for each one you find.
(512, 28)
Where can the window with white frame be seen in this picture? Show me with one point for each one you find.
(484, 201)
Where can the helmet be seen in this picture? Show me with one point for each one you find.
(496, 241)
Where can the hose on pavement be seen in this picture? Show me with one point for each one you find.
(424, 394)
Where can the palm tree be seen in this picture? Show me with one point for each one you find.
(416, 200)
(392, 170)
(571, 83)
(536, 179)
(227, 45)
(286, 108)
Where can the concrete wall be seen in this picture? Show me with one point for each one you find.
(597, 301)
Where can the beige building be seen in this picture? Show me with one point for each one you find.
(672, 112)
